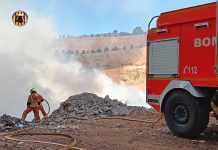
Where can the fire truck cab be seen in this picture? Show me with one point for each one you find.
(182, 68)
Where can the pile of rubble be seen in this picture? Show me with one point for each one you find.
(85, 105)
(7, 122)
(89, 105)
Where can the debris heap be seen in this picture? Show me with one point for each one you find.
(7, 122)
(90, 105)
(85, 105)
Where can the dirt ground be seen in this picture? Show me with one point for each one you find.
(117, 134)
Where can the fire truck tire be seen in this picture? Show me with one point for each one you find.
(185, 115)
(204, 112)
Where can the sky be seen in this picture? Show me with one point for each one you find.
(79, 17)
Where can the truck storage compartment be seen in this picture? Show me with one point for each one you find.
(163, 58)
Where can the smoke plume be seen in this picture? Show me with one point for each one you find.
(28, 60)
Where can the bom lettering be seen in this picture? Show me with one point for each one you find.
(205, 42)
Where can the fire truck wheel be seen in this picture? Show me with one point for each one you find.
(184, 115)
(204, 112)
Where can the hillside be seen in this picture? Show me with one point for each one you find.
(123, 58)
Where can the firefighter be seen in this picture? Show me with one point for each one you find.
(34, 104)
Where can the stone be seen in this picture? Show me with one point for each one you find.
(20, 125)
(73, 114)
(198, 141)
(76, 109)
(115, 111)
(70, 109)
(95, 112)
(120, 124)
(16, 120)
(124, 112)
(202, 141)
(107, 97)
(106, 109)
(140, 133)
(58, 120)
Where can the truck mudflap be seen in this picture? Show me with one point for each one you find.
(156, 107)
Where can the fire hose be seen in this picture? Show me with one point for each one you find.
(70, 145)
(49, 108)
(120, 118)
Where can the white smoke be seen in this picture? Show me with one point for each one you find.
(27, 60)
(68, 78)
(22, 51)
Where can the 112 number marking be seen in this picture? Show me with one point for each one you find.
(192, 70)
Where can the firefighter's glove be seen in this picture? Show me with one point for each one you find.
(28, 104)
(42, 100)
(39, 102)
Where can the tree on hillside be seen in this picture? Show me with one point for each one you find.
(137, 30)
(115, 31)
(124, 33)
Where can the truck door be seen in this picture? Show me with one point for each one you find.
(198, 54)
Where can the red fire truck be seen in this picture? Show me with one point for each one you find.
(182, 68)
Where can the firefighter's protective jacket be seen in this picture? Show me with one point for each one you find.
(34, 100)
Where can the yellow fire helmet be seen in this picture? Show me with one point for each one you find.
(33, 90)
